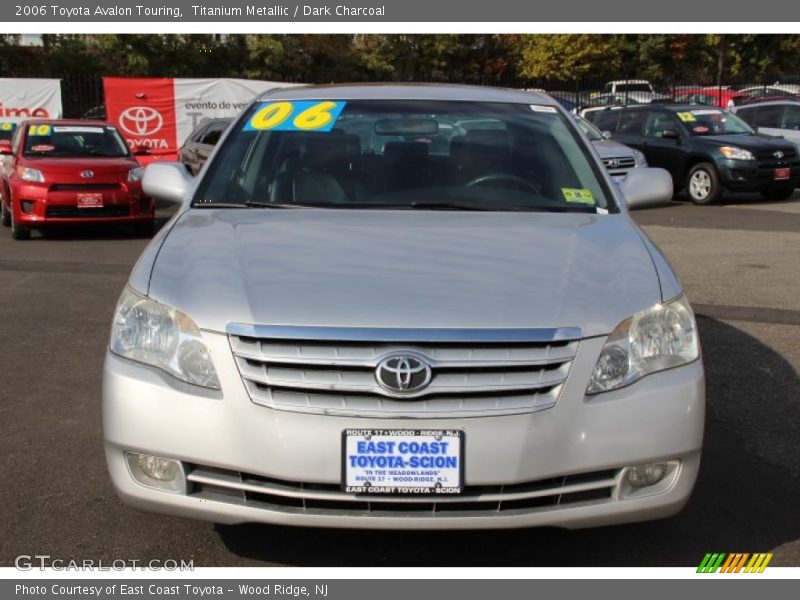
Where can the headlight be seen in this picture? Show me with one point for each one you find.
(641, 161)
(736, 153)
(135, 174)
(655, 339)
(155, 334)
(28, 174)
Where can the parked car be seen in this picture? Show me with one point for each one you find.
(774, 117)
(707, 150)
(624, 86)
(605, 101)
(617, 158)
(61, 172)
(763, 91)
(198, 146)
(342, 328)
(709, 96)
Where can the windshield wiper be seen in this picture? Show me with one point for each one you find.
(438, 205)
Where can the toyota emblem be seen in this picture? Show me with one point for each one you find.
(403, 373)
(87, 174)
(141, 120)
(778, 155)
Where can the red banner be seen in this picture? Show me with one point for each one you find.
(144, 111)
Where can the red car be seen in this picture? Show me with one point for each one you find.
(61, 172)
(710, 96)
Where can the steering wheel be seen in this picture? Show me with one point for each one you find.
(482, 179)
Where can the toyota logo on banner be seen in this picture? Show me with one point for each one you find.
(141, 120)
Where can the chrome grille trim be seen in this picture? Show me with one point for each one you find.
(252, 490)
(338, 377)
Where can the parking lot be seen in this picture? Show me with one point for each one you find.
(739, 262)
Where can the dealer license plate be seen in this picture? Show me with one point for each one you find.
(90, 200)
(782, 174)
(402, 461)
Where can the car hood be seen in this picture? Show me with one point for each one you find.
(611, 149)
(73, 166)
(406, 269)
(755, 142)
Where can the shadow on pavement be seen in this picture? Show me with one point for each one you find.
(746, 499)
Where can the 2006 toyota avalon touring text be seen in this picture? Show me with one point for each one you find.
(404, 306)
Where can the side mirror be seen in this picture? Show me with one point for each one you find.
(167, 181)
(645, 187)
(606, 135)
(671, 134)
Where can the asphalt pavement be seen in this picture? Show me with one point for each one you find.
(739, 264)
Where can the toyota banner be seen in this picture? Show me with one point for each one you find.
(160, 113)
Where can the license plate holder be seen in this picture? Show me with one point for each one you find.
(403, 462)
(782, 174)
(90, 200)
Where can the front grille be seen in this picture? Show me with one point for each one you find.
(768, 160)
(83, 187)
(619, 164)
(245, 489)
(337, 377)
(73, 212)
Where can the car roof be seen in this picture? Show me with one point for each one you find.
(771, 100)
(408, 91)
(70, 122)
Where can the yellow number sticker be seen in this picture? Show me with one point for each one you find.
(578, 195)
(686, 117)
(272, 115)
(308, 116)
(41, 130)
(7, 126)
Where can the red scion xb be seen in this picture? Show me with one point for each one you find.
(62, 172)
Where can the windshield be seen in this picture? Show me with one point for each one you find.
(713, 122)
(7, 130)
(592, 132)
(633, 87)
(407, 154)
(74, 140)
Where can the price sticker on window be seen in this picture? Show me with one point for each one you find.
(578, 195)
(686, 117)
(301, 115)
(40, 130)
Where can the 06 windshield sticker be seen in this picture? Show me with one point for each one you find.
(686, 117)
(301, 115)
(578, 195)
(40, 130)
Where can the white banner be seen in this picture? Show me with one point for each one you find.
(30, 98)
(199, 99)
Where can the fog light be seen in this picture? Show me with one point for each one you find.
(26, 206)
(644, 475)
(156, 472)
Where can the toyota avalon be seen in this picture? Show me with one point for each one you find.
(404, 306)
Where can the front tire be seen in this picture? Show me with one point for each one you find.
(778, 193)
(18, 232)
(703, 185)
(6, 215)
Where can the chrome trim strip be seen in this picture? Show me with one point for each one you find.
(392, 335)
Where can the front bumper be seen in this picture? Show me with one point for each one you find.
(751, 175)
(660, 418)
(41, 205)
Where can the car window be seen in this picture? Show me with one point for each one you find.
(712, 121)
(48, 139)
(7, 130)
(198, 133)
(657, 122)
(747, 114)
(767, 116)
(633, 122)
(604, 120)
(405, 154)
(213, 133)
(791, 118)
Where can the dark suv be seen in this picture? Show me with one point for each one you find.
(706, 150)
